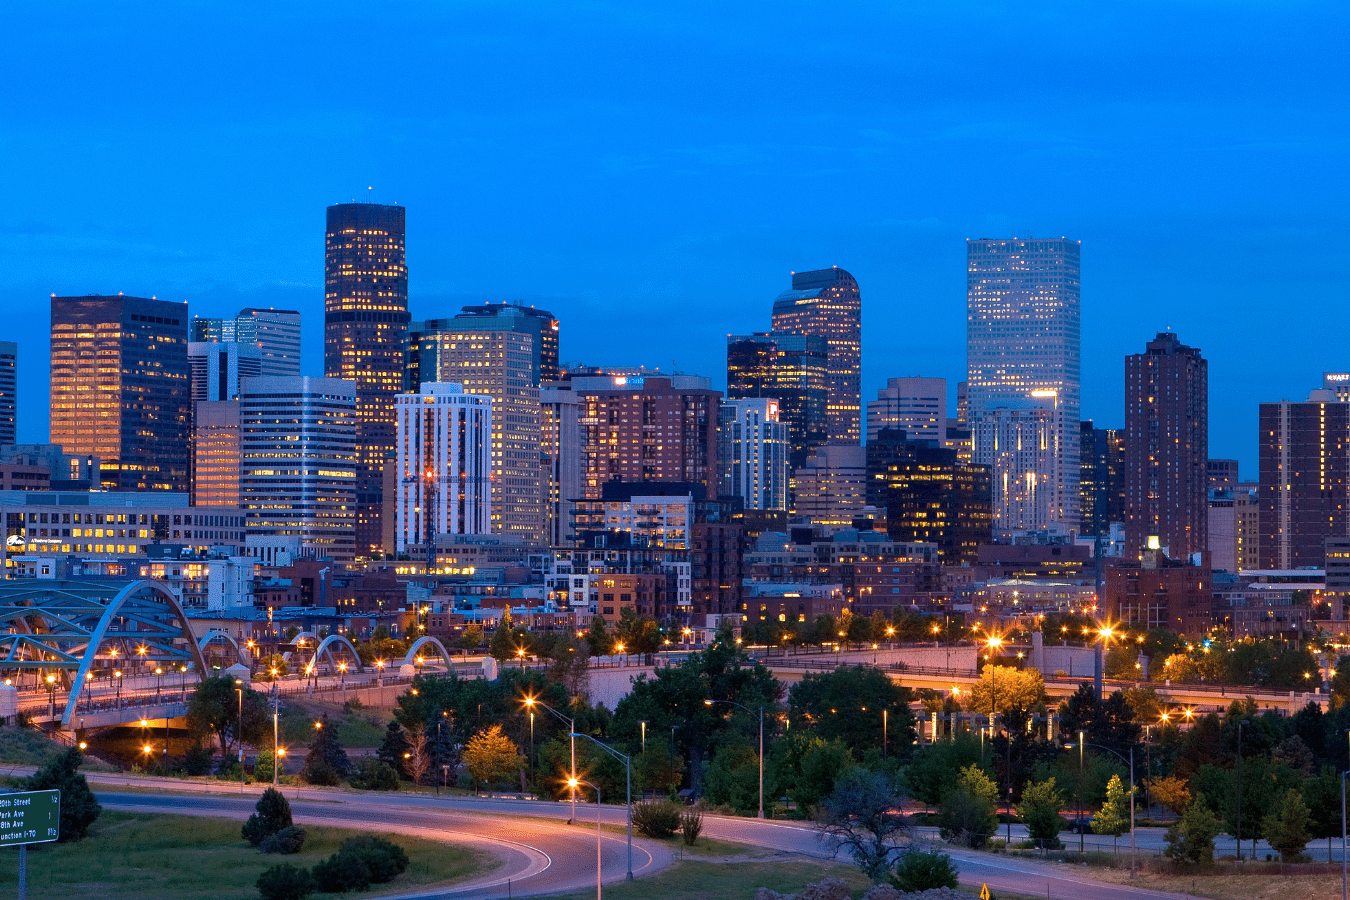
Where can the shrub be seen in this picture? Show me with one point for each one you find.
(371, 774)
(273, 814)
(691, 825)
(321, 773)
(1191, 840)
(285, 882)
(919, 870)
(197, 761)
(79, 809)
(359, 863)
(656, 818)
(286, 841)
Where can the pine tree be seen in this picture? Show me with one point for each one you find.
(326, 762)
(394, 746)
(79, 809)
(273, 814)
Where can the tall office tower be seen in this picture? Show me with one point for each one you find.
(366, 339)
(827, 303)
(1247, 502)
(916, 406)
(962, 404)
(930, 495)
(647, 428)
(9, 383)
(753, 453)
(560, 460)
(1167, 448)
(1304, 457)
(424, 354)
(1221, 474)
(831, 487)
(444, 466)
(540, 322)
(500, 363)
(792, 369)
(277, 334)
(1022, 339)
(1020, 446)
(203, 330)
(120, 389)
(215, 368)
(215, 453)
(1101, 482)
(297, 440)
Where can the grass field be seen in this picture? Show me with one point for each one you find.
(355, 728)
(1230, 886)
(150, 857)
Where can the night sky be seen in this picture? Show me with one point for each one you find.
(653, 172)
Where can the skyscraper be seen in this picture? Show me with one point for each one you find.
(1167, 448)
(298, 472)
(792, 369)
(1020, 447)
(9, 366)
(1022, 340)
(275, 332)
(216, 460)
(539, 321)
(215, 368)
(1101, 482)
(120, 389)
(753, 453)
(366, 338)
(1305, 461)
(915, 405)
(560, 460)
(827, 303)
(444, 465)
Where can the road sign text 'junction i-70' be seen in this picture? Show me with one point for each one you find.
(32, 817)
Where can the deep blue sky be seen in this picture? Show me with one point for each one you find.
(652, 172)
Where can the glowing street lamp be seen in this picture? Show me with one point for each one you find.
(573, 783)
(530, 704)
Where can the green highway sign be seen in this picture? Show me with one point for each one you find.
(32, 817)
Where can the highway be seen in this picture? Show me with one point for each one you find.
(538, 853)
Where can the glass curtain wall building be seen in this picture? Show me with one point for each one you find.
(827, 303)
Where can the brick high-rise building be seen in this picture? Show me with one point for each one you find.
(120, 389)
(827, 303)
(366, 339)
(647, 428)
(1167, 448)
(1022, 347)
(1305, 460)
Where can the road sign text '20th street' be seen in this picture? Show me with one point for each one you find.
(32, 817)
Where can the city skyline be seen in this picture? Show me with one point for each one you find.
(668, 181)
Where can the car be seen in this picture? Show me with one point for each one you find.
(1081, 825)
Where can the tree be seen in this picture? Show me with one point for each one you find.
(416, 759)
(598, 639)
(470, 639)
(273, 813)
(285, 882)
(854, 704)
(326, 762)
(936, 768)
(638, 634)
(1191, 839)
(1113, 818)
(1041, 803)
(863, 815)
(966, 814)
(919, 870)
(1007, 687)
(1171, 792)
(1109, 723)
(1286, 826)
(214, 709)
(492, 756)
(79, 809)
(394, 746)
(805, 768)
(733, 778)
(658, 769)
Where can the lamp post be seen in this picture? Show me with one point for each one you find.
(118, 674)
(1238, 836)
(1080, 792)
(573, 783)
(761, 745)
(530, 703)
(628, 764)
(51, 696)
(1122, 759)
(276, 742)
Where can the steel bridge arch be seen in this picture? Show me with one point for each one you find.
(144, 612)
(215, 634)
(325, 646)
(411, 658)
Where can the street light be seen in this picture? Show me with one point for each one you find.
(1122, 759)
(573, 783)
(530, 703)
(628, 764)
(1238, 836)
(761, 745)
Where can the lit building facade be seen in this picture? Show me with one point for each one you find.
(216, 460)
(366, 339)
(1023, 339)
(1020, 446)
(444, 465)
(120, 389)
(831, 487)
(298, 443)
(1167, 448)
(753, 453)
(914, 405)
(215, 368)
(9, 385)
(1101, 480)
(792, 369)
(827, 303)
(1304, 465)
(560, 459)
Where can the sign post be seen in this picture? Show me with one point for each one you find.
(31, 817)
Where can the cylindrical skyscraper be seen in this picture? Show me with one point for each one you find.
(365, 339)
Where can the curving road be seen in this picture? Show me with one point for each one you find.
(539, 853)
